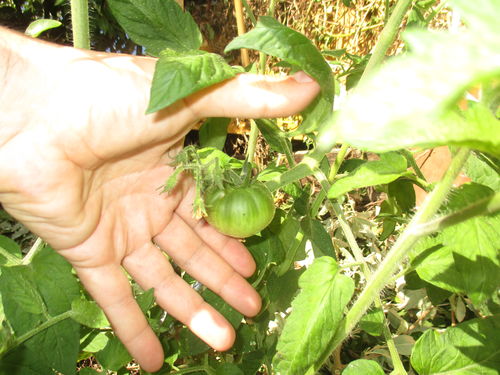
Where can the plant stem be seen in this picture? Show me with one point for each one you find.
(399, 368)
(207, 370)
(387, 37)
(387, 11)
(327, 136)
(338, 162)
(80, 23)
(486, 206)
(249, 12)
(303, 169)
(400, 249)
(358, 256)
(252, 142)
(413, 163)
(272, 7)
(435, 12)
(11, 259)
(315, 206)
(31, 253)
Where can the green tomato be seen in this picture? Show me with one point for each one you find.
(240, 211)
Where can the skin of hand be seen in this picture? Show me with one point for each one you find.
(81, 166)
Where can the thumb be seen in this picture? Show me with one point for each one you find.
(255, 96)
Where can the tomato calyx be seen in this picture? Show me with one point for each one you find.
(227, 196)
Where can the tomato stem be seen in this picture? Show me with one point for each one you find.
(400, 249)
(338, 162)
(33, 250)
(80, 23)
(336, 211)
(387, 37)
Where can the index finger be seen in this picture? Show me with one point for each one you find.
(255, 96)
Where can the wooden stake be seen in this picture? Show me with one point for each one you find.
(181, 3)
(240, 23)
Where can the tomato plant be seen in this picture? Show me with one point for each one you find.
(389, 288)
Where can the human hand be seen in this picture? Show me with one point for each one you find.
(81, 166)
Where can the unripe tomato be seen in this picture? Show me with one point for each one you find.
(240, 211)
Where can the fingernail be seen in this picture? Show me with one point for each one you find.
(302, 77)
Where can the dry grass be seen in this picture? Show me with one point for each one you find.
(328, 23)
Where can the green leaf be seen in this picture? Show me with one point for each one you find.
(265, 250)
(10, 252)
(34, 294)
(246, 341)
(114, 355)
(15, 363)
(437, 295)
(20, 297)
(407, 103)
(321, 241)
(274, 136)
(54, 278)
(252, 362)
(190, 344)
(228, 369)
(94, 342)
(88, 313)
(180, 74)
(403, 192)
(435, 264)
(7, 339)
(208, 154)
(173, 179)
(316, 313)
(484, 170)
(232, 316)
(213, 132)
(275, 39)
(404, 344)
(476, 244)
(275, 171)
(157, 24)
(463, 258)
(282, 289)
(146, 300)
(390, 167)
(363, 366)
(58, 345)
(293, 243)
(88, 371)
(373, 322)
(37, 27)
(469, 348)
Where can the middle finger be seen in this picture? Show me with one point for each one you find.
(200, 261)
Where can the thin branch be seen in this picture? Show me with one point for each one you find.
(486, 206)
(400, 249)
(31, 253)
(80, 23)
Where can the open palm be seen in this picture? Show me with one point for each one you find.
(88, 181)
